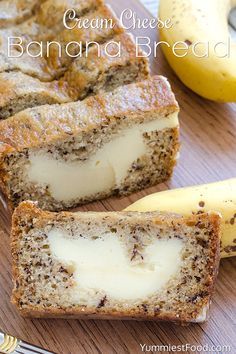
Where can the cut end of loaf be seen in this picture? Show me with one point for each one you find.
(114, 265)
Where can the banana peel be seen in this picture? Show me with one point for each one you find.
(219, 196)
(212, 76)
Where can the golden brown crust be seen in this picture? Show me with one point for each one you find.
(12, 83)
(51, 66)
(43, 126)
(23, 214)
(40, 126)
(19, 91)
(28, 212)
(90, 314)
(96, 71)
(85, 73)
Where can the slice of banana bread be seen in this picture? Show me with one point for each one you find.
(117, 265)
(113, 143)
(98, 70)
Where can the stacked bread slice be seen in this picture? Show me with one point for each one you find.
(29, 80)
(89, 74)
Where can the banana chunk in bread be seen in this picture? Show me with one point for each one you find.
(96, 71)
(117, 265)
(113, 143)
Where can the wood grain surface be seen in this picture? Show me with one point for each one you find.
(208, 154)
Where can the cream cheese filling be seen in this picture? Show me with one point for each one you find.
(102, 171)
(103, 265)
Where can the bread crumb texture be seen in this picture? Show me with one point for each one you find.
(45, 286)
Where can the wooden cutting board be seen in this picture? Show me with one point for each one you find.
(208, 154)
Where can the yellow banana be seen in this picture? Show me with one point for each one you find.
(219, 196)
(210, 72)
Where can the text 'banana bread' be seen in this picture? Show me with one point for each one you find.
(125, 265)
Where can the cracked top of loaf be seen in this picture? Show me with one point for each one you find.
(40, 126)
